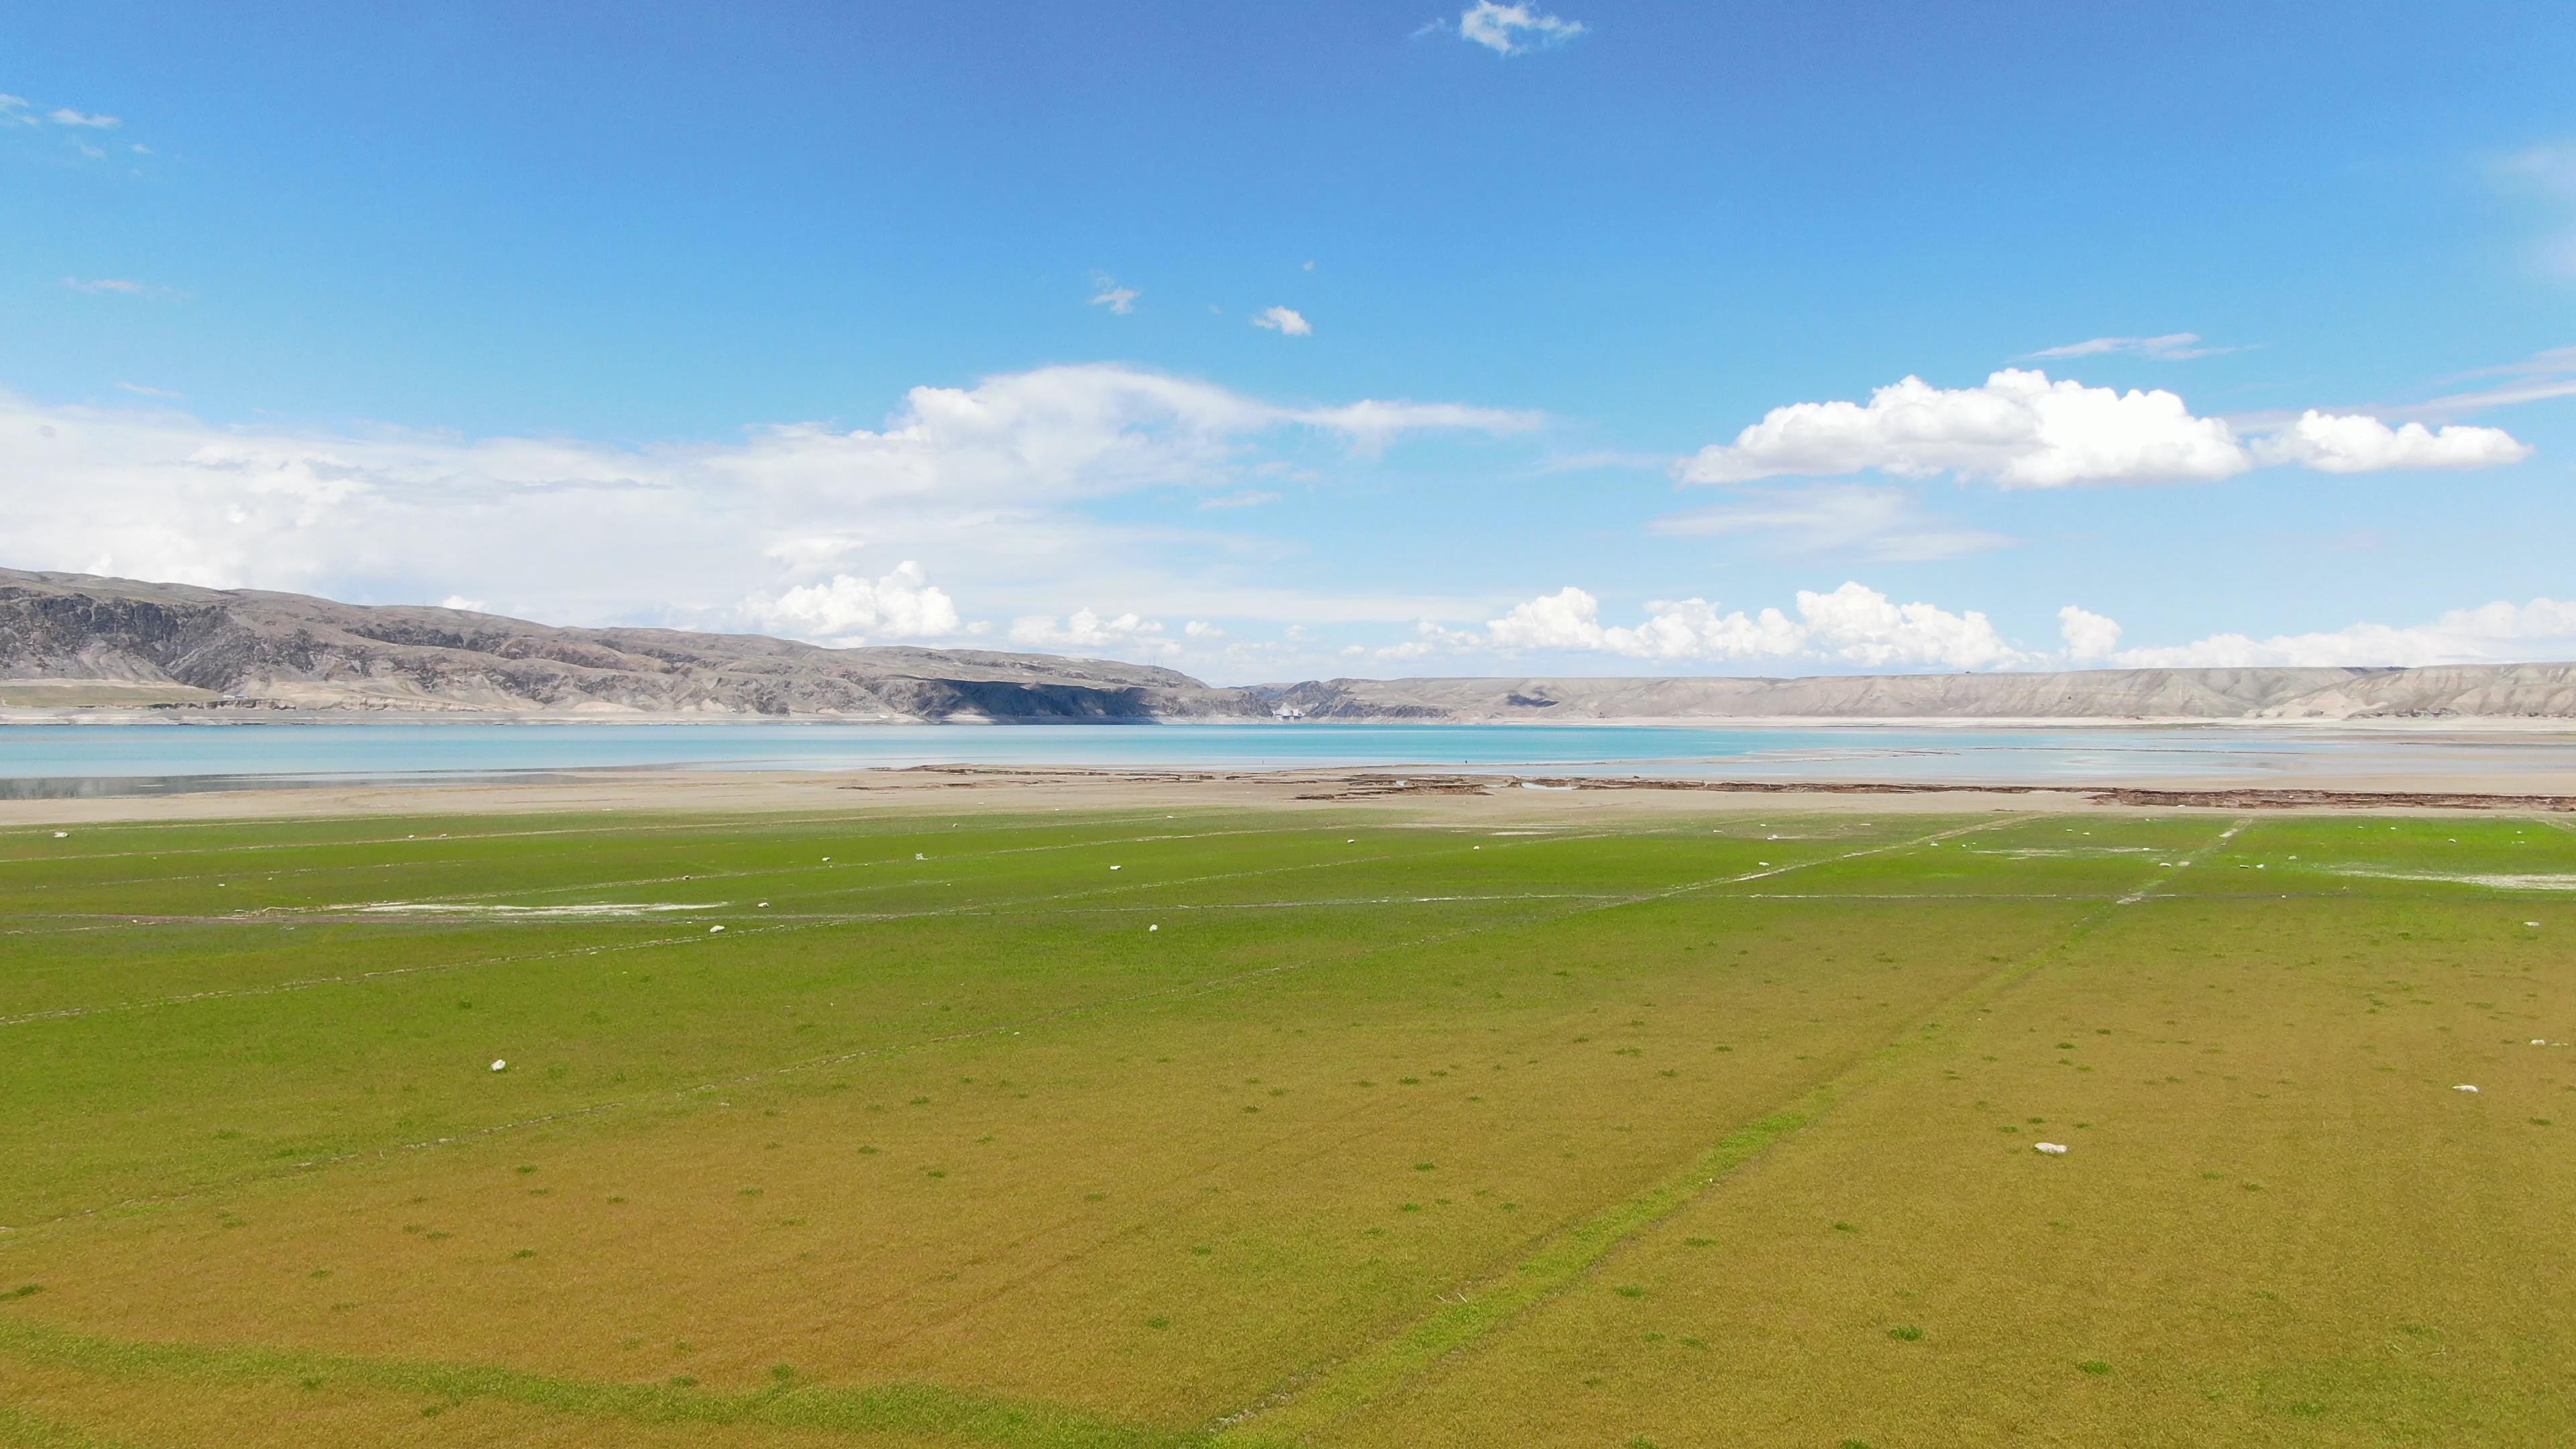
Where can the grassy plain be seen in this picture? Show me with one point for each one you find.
(1413, 1125)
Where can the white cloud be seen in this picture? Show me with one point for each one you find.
(66, 116)
(1877, 522)
(1285, 321)
(459, 601)
(2548, 174)
(988, 487)
(2170, 347)
(2537, 378)
(816, 553)
(2089, 637)
(1248, 498)
(853, 611)
(1202, 629)
(1514, 29)
(2500, 632)
(1086, 629)
(141, 391)
(2353, 443)
(1107, 293)
(1852, 625)
(119, 286)
(13, 111)
(2021, 430)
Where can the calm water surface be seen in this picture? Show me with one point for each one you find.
(83, 759)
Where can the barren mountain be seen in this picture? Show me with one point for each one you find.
(236, 649)
(78, 639)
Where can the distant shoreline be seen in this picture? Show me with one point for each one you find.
(116, 716)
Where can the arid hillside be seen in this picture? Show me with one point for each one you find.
(70, 640)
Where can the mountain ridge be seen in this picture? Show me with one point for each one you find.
(191, 650)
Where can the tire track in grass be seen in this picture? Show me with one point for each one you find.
(1475, 1312)
(1375, 1111)
(1178, 992)
(682, 1094)
(743, 933)
(911, 1409)
(22, 1430)
(462, 861)
(977, 1418)
(865, 824)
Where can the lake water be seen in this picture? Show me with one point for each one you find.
(153, 758)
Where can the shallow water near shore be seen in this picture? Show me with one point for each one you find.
(70, 760)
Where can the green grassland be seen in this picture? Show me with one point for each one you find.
(1269, 1126)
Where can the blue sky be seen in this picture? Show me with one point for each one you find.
(940, 325)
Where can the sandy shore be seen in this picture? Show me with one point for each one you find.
(1565, 797)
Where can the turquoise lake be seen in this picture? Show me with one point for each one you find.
(127, 758)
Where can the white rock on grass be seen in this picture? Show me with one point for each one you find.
(1117, 867)
(62, 835)
(2053, 1149)
(2464, 1087)
(499, 1065)
(711, 930)
(1157, 928)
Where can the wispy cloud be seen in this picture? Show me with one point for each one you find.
(1874, 522)
(1515, 29)
(1001, 492)
(2546, 174)
(1284, 320)
(14, 112)
(117, 286)
(66, 116)
(141, 391)
(2171, 347)
(1107, 293)
(1248, 498)
(2538, 378)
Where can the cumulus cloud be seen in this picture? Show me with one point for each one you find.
(1853, 625)
(2021, 430)
(852, 611)
(988, 487)
(2500, 632)
(2170, 347)
(1087, 629)
(1515, 29)
(1107, 293)
(1877, 522)
(2357, 444)
(1285, 321)
(2090, 637)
